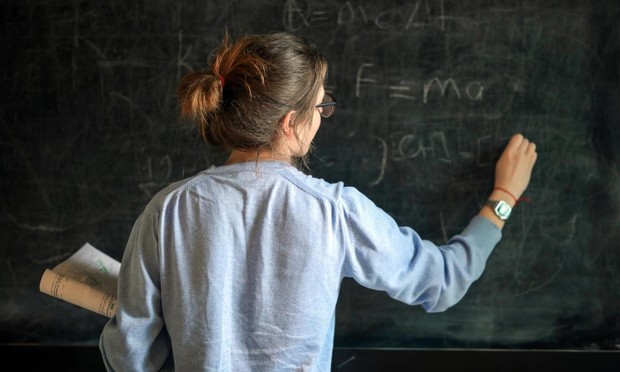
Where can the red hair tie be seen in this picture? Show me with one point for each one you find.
(221, 80)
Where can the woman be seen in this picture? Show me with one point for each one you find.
(238, 268)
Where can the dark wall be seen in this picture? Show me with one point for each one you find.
(429, 93)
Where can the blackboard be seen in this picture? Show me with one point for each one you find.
(429, 91)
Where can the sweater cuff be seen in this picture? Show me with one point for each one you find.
(485, 232)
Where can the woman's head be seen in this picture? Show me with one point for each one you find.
(252, 84)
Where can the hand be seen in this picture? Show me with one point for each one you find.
(514, 167)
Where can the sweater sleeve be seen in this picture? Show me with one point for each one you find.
(384, 256)
(134, 339)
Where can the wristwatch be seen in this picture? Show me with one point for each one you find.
(501, 208)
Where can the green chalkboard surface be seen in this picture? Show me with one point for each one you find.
(429, 92)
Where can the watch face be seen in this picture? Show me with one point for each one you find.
(502, 209)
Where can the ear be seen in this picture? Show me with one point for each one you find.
(286, 123)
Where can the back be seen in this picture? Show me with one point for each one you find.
(250, 270)
(248, 266)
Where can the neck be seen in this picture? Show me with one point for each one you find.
(238, 156)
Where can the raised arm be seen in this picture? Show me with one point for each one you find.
(512, 175)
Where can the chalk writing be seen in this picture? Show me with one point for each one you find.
(421, 13)
(154, 181)
(472, 90)
(410, 146)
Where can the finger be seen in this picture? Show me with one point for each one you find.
(515, 141)
(524, 145)
(533, 158)
(531, 149)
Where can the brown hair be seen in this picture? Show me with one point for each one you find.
(250, 86)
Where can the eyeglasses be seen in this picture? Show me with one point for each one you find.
(327, 106)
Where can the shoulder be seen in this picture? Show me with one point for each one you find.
(174, 190)
(321, 188)
(347, 199)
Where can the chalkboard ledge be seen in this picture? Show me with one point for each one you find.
(479, 360)
(87, 358)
